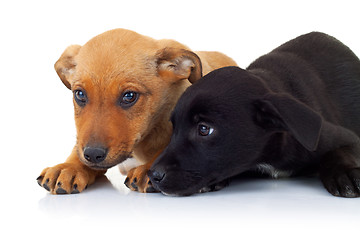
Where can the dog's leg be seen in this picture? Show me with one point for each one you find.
(69, 177)
(340, 168)
(137, 179)
(340, 173)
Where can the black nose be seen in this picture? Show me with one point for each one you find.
(95, 154)
(156, 176)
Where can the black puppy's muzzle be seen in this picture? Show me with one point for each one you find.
(158, 177)
(174, 180)
(164, 181)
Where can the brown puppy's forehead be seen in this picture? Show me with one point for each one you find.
(117, 52)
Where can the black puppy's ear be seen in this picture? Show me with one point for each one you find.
(282, 112)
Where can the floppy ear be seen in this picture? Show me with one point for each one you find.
(282, 112)
(66, 64)
(177, 64)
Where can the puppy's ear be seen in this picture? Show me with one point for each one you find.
(65, 66)
(177, 64)
(281, 112)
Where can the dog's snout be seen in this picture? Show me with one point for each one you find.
(156, 176)
(95, 154)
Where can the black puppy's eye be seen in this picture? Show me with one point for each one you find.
(128, 99)
(80, 97)
(205, 130)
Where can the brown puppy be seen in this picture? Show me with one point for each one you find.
(125, 86)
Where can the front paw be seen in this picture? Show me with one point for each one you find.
(137, 180)
(66, 178)
(344, 183)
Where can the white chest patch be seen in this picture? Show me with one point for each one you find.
(273, 172)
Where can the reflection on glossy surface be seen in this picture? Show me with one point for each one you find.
(244, 199)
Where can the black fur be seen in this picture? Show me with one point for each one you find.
(296, 109)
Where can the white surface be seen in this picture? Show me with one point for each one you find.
(37, 128)
(254, 208)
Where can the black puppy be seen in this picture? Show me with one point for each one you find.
(293, 111)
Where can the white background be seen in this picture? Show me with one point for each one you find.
(37, 127)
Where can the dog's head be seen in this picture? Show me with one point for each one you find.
(123, 83)
(222, 124)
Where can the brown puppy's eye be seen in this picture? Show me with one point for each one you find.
(128, 99)
(205, 130)
(80, 97)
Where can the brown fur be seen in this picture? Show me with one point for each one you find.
(107, 66)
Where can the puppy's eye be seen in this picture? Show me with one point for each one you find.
(205, 130)
(80, 97)
(128, 99)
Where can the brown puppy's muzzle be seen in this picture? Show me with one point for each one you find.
(100, 157)
(102, 142)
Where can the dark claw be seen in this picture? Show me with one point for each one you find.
(126, 182)
(39, 180)
(354, 175)
(75, 190)
(133, 184)
(331, 186)
(46, 186)
(348, 191)
(60, 191)
(345, 186)
(335, 192)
